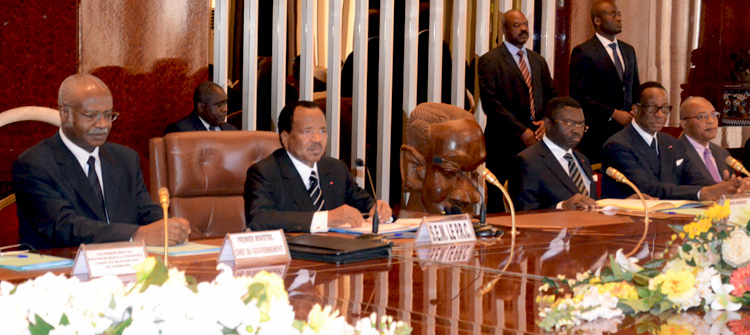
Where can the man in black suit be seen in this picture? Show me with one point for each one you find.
(700, 121)
(515, 85)
(297, 188)
(603, 78)
(75, 187)
(655, 162)
(550, 174)
(209, 111)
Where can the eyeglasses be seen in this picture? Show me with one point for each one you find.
(108, 116)
(614, 14)
(574, 125)
(704, 116)
(651, 109)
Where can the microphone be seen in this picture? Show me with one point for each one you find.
(375, 219)
(481, 229)
(735, 164)
(164, 196)
(620, 178)
(164, 202)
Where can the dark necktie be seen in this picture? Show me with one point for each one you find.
(618, 63)
(315, 194)
(527, 78)
(575, 175)
(94, 181)
(653, 146)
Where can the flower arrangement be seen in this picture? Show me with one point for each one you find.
(165, 301)
(711, 269)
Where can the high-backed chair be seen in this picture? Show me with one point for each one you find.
(205, 172)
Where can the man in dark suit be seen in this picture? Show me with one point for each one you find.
(655, 162)
(75, 187)
(550, 174)
(209, 111)
(603, 78)
(700, 121)
(297, 188)
(515, 85)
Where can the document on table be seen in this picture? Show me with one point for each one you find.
(187, 248)
(398, 227)
(653, 205)
(27, 261)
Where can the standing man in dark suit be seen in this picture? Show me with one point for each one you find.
(297, 188)
(700, 121)
(75, 187)
(549, 173)
(603, 78)
(515, 85)
(655, 162)
(209, 111)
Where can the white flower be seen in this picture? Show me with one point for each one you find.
(630, 264)
(703, 284)
(736, 249)
(718, 321)
(723, 300)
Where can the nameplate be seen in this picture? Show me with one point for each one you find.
(454, 253)
(116, 259)
(255, 248)
(739, 204)
(251, 271)
(445, 229)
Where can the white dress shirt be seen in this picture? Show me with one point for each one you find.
(319, 222)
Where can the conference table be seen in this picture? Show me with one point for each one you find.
(452, 288)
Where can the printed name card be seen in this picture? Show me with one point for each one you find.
(255, 247)
(119, 258)
(454, 253)
(279, 269)
(739, 204)
(446, 229)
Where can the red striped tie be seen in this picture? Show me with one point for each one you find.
(527, 78)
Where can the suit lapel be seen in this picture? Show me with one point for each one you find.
(557, 170)
(293, 182)
(111, 176)
(606, 60)
(645, 151)
(720, 159)
(510, 63)
(695, 157)
(666, 158)
(196, 121)
(326, 183)
(73, 173)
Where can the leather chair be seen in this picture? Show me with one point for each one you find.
(205, 175)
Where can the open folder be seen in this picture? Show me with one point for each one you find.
(652, 205)
(27, 261)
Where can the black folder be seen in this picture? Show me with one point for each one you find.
(338, 250)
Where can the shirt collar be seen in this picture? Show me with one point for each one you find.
(513, 49)
(605, 42)
(205, 124)
(304, 170)
(556, 150)
(698, 147)
(646, 136)
(82, 156)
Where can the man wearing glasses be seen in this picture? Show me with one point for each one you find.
(75, 187)
(700, 121)
(656, 162)
(550, 174)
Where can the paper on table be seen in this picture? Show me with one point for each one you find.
(653, 205)
(400, 226)
(188, 248)
(31, 261)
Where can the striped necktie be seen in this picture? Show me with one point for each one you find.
(575, 175)
(315, 194)
(527, 78)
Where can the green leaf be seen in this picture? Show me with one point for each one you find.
(120, 328)
(661, 307)
(254, 291)
(722, 235)
(638, 306)
(64, 320)
(158, 275)
(39, 327)
(690, 262)
(640, 279)
(616, 270)
(676, 228)
(654, 263)
(686, 247)
(747, 227)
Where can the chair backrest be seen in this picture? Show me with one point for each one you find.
(205, 174)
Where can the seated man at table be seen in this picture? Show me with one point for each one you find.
(75, 187)
(656, 162)
(297, 188)
(700, 121)
(209, 111)
(452, 134)
(550, 174)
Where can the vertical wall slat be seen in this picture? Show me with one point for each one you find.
(250, 65)
(221, 42)
(333, 82)
(458, 67)
(411, 52)
(435, 50)
(481, 45)
(549, 10)
(278, 52)
(306, 53)
(385, 97)
(527, 7)
(359, 93)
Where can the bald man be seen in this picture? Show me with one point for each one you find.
(75, 187)
(700, 121)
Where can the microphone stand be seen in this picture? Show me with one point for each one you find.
(164, 201)
(620, 178)
(490, 177)
(374, 236)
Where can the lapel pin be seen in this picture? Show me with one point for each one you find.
(331, 182)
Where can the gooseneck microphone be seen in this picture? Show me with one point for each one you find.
(164, 202)
(375, 218)
(620, 178)
(737, 165)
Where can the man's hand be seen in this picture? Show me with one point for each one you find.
(384, 211)
(730, 185)
(153, 233)
(540, 130)
(528, 137)
(622, 117)
(343, 215)
(579, 201)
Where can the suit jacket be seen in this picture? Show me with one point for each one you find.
(595, 84)
(277, 198)
(192, 122)
(720, 156)
(541, 182)
(670, 175)
(57, 206)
